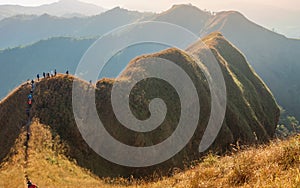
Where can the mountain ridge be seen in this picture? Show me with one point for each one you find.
(251, 115)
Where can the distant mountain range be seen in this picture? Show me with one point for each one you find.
(62, 8)
(274, 57)
(22, 30)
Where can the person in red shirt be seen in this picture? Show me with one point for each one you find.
(30, 185)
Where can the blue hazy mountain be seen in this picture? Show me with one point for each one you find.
(61, 8)
(27, 29)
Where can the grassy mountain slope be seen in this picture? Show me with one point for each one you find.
(11, 126)
(248, 96)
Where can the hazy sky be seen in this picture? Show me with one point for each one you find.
(165, 4)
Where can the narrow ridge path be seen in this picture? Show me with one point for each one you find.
(28, 132)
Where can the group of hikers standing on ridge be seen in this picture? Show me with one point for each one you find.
(49, 74)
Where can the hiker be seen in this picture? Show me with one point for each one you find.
(55, 72)
(30, 185)
(28, 135)
(48, 75)
(27, 112)
(30, 96)
(32, 87)
(44, 74)
(30, 102)
(67, 72)
(91, 82)
(38, 77)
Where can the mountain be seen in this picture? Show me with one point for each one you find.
(60, 9)
(24, 29)
(187, 16)
(273, 56)
(251, 114)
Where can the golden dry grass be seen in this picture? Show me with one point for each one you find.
(274, 165)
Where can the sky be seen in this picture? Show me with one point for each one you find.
(146, 5)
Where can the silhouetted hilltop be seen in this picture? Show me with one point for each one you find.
(187, 16)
